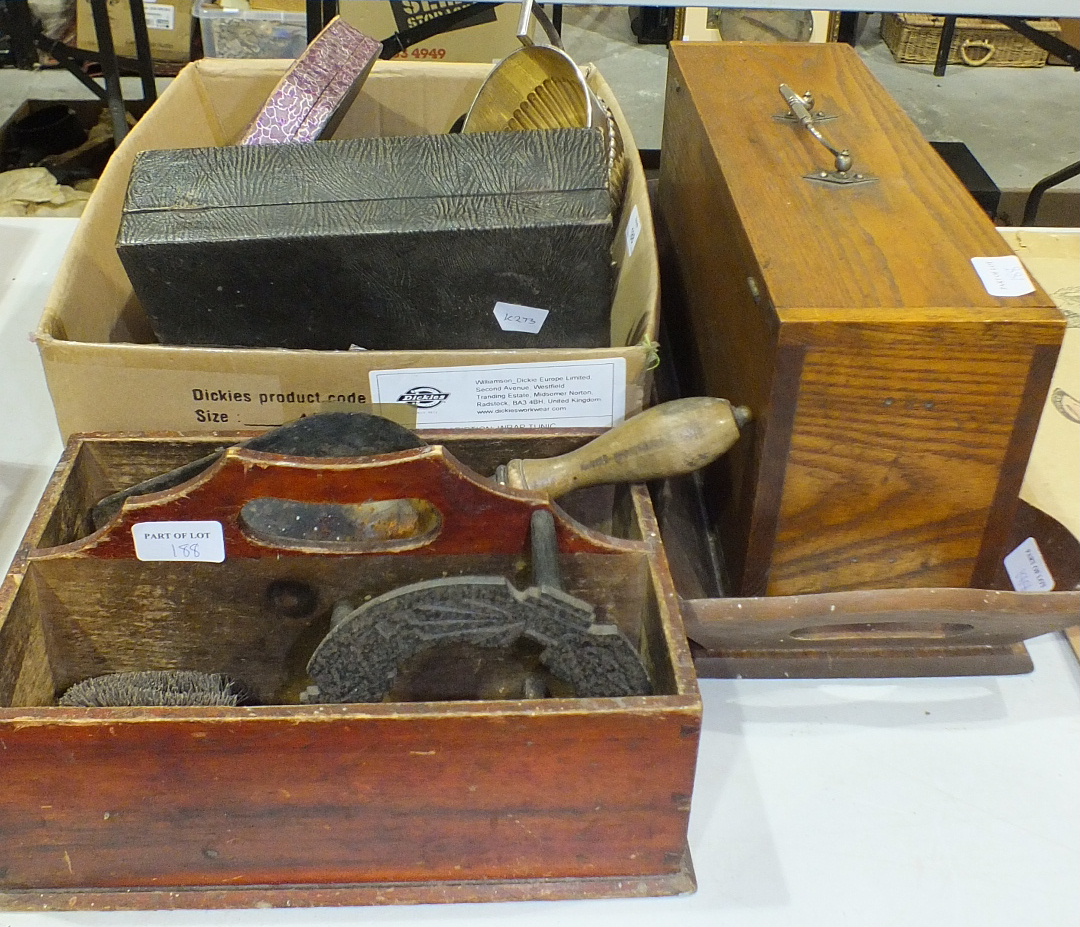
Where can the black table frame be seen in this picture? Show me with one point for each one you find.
(27, 40)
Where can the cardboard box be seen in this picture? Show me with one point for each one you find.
(168, 24)
(288, 6)
(493, 37)
(1053, 257)
(1049, 518)
(106, 373)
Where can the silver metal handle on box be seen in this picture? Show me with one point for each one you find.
(842, 173)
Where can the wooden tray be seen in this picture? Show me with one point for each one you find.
(288, 804)
(919, 631)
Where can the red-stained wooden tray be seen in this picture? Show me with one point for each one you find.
(290, 804)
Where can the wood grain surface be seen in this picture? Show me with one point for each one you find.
(283, 803)
(895, 400)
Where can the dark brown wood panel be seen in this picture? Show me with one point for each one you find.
(898, 458)
(335, 795)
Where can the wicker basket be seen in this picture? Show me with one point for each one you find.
(913, 39)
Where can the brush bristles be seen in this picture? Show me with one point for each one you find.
(154, 689)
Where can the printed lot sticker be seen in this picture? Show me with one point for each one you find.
(193, 541)
(571, 394)
(1027, 569)
(1003, 276)
(513, 318)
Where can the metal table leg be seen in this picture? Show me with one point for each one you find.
(142, 50)
(24, 34)
(948, 30)
(1031, 207)
(17, 22)
(114, 97)
(319, 13)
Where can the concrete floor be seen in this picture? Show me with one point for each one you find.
(1020, 123)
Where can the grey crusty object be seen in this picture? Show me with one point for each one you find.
(359, 659)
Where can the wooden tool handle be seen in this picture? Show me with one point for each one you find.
(670, 439)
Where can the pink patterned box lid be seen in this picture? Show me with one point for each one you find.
(312, 97)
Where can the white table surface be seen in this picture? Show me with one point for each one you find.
(869, 803)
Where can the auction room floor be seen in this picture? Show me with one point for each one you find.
(1022, 124)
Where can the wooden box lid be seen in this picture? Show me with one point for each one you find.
(903, 242)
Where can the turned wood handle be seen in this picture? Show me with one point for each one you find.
(670, 439)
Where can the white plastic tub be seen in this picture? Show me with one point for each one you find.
(234, 33)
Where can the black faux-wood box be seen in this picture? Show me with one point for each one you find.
(383, 243)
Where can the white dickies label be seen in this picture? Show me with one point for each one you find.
(1003, 276)
(513, 318)
(633, 231)
(160, 16)
(1027, 569)
(573, 394)
(193, 541)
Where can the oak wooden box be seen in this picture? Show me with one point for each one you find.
(895, 400)
(289, 804)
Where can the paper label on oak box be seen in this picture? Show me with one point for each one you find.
(192, 541)
(512, 318)
(568, 394)
(160, 16)
(1003, 276)
(1027, 569)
